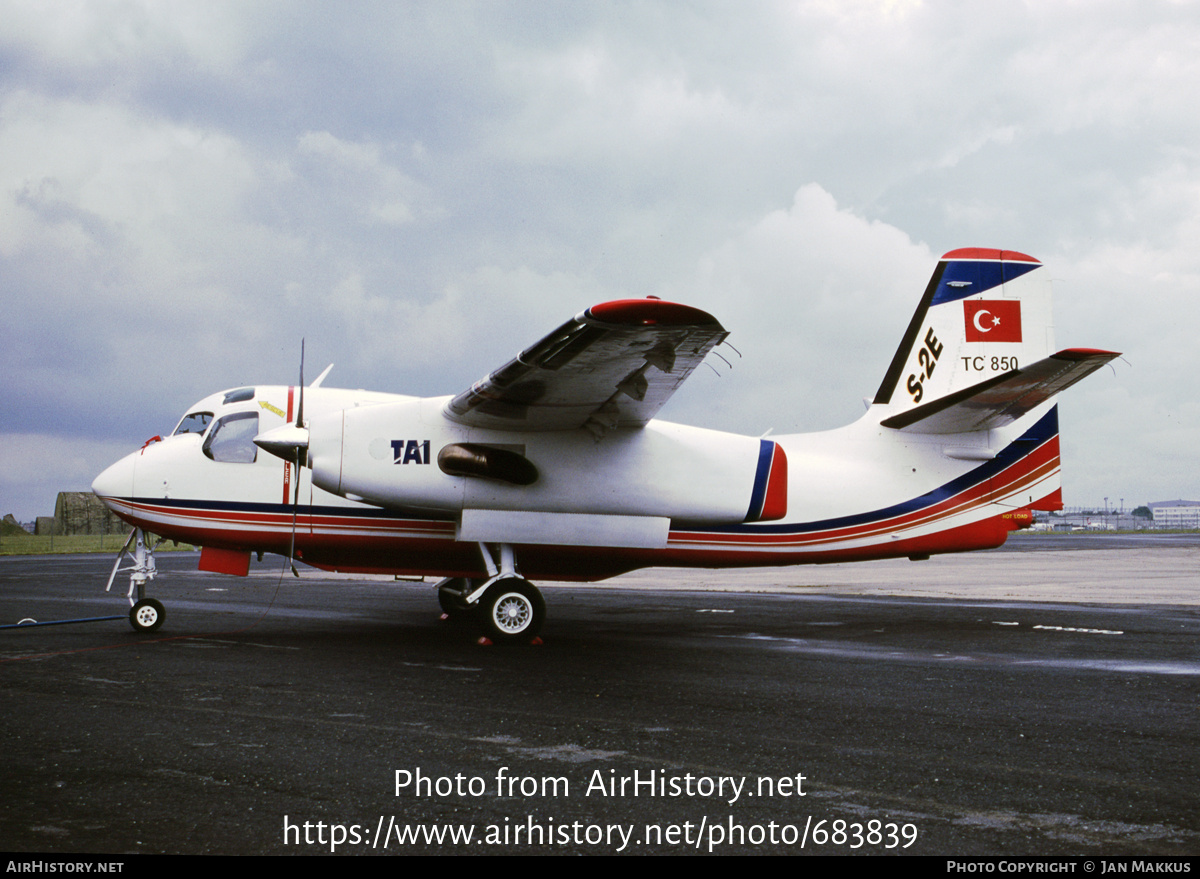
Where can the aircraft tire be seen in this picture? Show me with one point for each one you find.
(513, 611)
(147, 615)
(451, 600)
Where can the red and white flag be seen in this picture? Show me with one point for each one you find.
(992, 320)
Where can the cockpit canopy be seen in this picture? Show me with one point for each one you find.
(194, 422)
(228, 439)
(231, 439)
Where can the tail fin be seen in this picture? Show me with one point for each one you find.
(978, 353)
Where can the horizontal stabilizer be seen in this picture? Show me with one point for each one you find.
(1004, 398)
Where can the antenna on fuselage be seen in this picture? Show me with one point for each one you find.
(317, 381)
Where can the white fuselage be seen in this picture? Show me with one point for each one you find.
(373, 496)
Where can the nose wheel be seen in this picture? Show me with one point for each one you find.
(147, 615)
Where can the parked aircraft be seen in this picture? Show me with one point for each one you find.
(555, 467)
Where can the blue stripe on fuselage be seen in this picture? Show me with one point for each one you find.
(762, 477)
(1045, 430)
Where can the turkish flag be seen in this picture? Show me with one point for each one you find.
(992, 320)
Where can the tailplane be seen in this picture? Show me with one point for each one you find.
(979, 352)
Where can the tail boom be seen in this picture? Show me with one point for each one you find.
(988, 497)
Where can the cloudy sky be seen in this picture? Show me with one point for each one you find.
(422, 189)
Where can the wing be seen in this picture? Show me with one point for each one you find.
(614, 365)
(1003, 399)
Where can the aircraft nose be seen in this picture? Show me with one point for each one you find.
(117, 480)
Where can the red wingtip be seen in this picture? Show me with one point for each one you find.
(643, 312)
(1084, 354)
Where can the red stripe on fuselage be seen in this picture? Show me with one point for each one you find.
(1029, 470)
(353, 542)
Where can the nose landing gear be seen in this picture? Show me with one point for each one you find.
(145, 614)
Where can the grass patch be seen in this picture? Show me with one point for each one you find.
(30, 544)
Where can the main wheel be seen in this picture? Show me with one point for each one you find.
(147, 615)
(451, 598)
(513, 610)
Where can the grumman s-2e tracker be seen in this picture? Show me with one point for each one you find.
(554, 467)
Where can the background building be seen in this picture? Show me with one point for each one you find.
(80, 512)
(1176, 514)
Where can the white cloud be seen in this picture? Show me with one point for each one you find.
(38, 466)
(421, 190)
(380, 191)
(592, 103)
(108, 34)
(99, 181)
(817, 299)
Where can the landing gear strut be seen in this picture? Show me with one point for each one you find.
(145, 614)
(509, 607)
(451, 594)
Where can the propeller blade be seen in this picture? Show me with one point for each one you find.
(297, 443)
(295, 509)
(300, 405)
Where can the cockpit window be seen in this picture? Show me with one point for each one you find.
(194, 422)
(231, 440)
(240, 395)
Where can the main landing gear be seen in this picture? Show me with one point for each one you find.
(510, 608)
(145, 614)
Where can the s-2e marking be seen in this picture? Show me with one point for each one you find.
(927, 357)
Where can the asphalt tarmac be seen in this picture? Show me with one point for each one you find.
(1041, 699)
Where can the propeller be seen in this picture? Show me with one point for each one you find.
(290, 443)
(300, 452)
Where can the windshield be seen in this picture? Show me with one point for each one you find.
(194, 422)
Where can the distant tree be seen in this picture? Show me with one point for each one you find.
(1143, 513)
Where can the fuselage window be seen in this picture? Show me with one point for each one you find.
(231, 440)
(194, 422)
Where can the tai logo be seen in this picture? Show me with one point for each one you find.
(410, 451)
